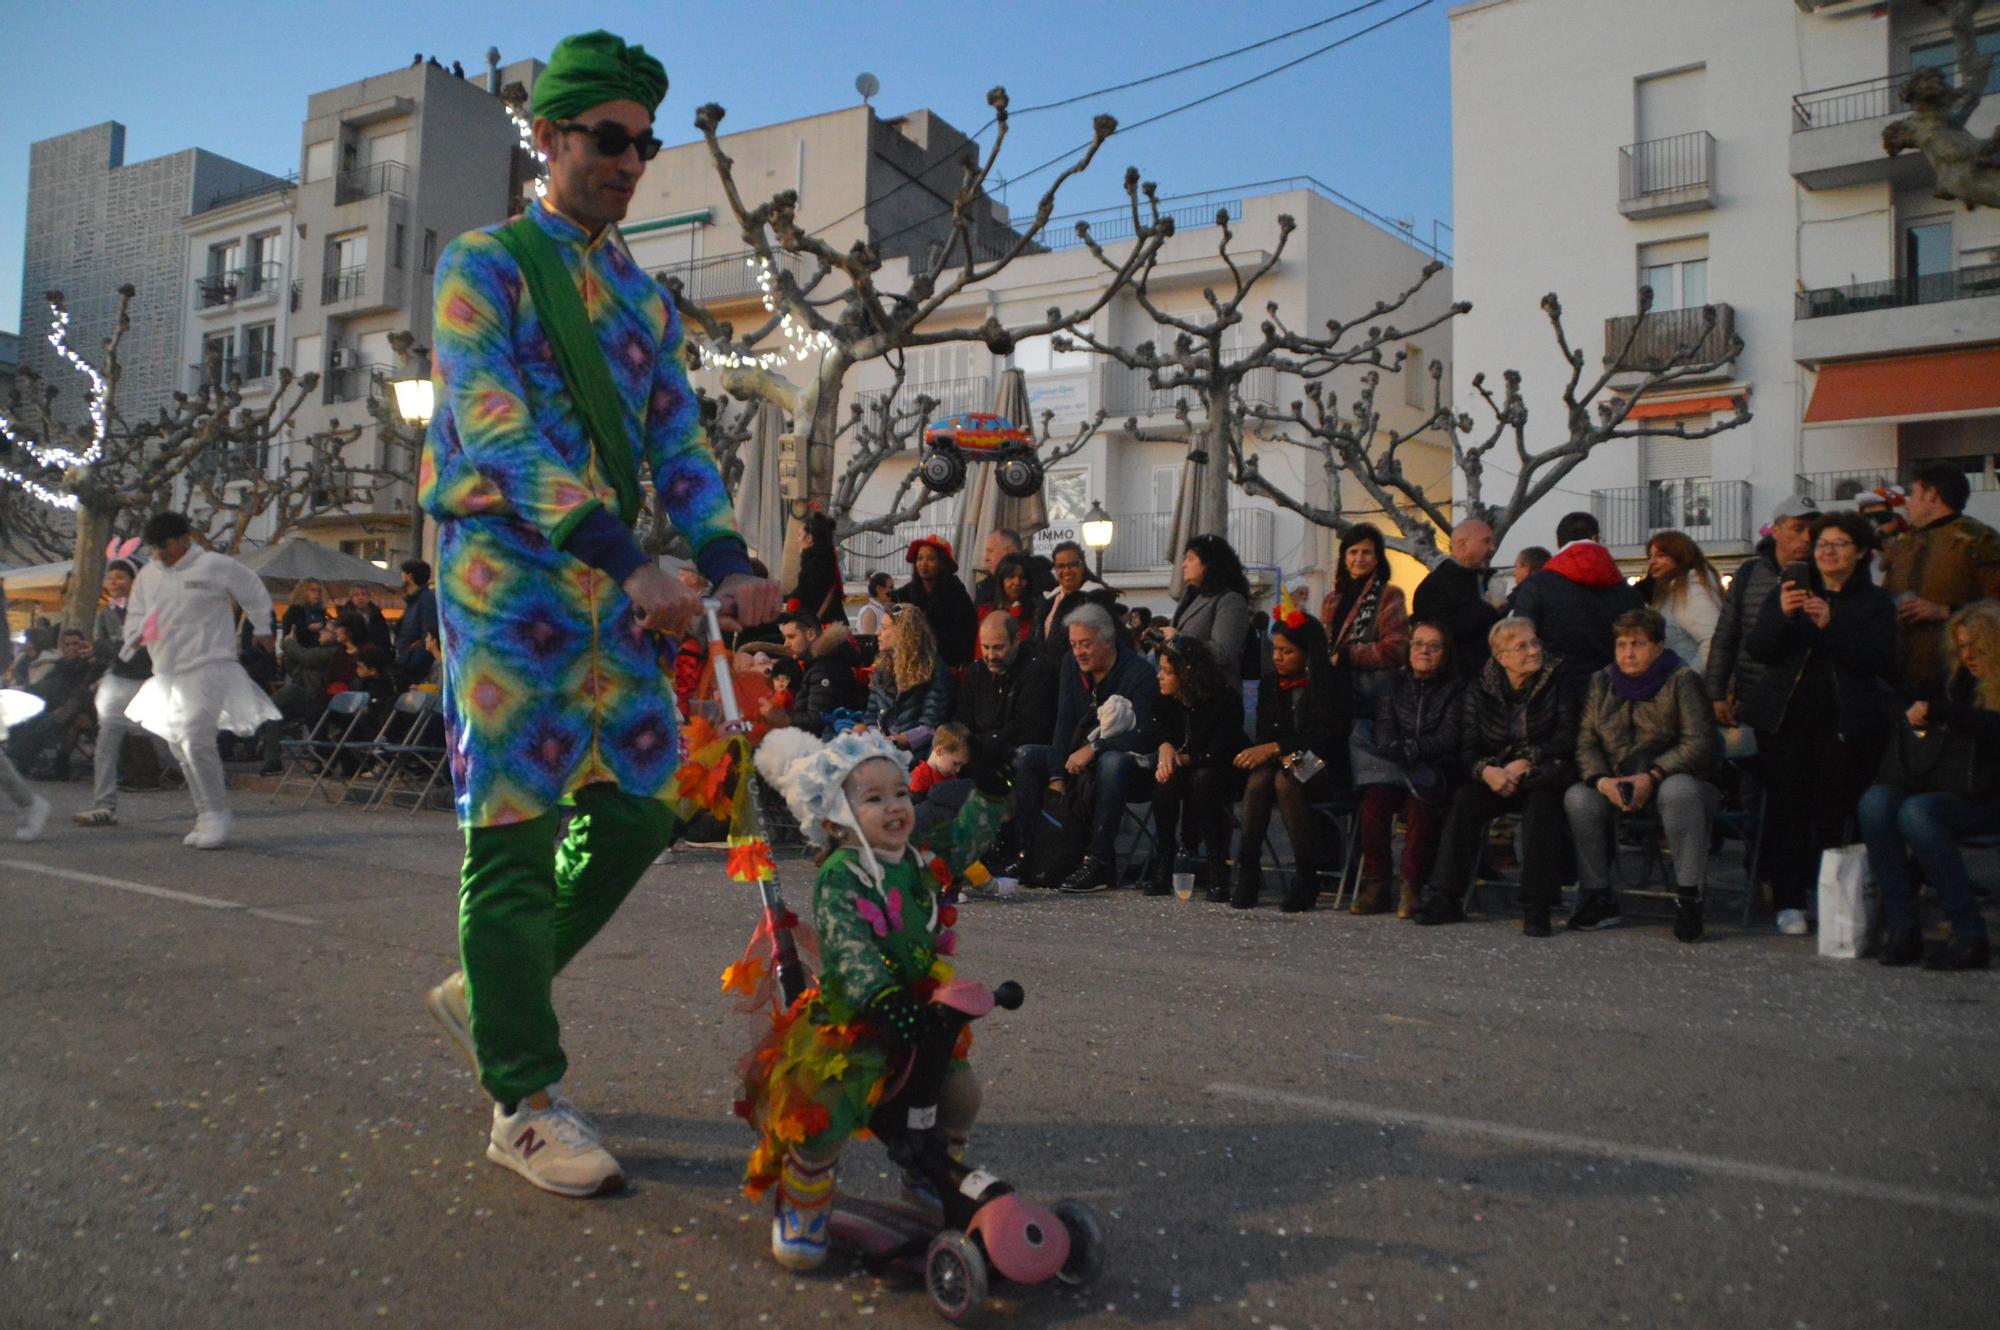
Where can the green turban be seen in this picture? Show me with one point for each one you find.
(593, 68)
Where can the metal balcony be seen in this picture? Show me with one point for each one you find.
(253, 368)
(1710, 512)
(726, 276)
(1667, 334)
(363, 182)
(237, 284)
(352, 383)
(1898, 292)
(1661, 177)
(343, 284)
(1845, 103)
(953, 396)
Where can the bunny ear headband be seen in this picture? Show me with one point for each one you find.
(122, 549)
(810, 774)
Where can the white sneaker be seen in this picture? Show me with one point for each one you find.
(34, 820)
(1792, 923)
(555, 1148)
(453, 1014)
(211, 831)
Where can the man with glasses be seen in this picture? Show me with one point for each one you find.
(560, 370)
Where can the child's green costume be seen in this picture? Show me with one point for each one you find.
(814, 1080)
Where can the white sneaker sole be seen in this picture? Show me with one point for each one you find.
(455, 1030)
(584, 1191)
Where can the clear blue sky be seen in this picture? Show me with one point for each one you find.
(1372, 119)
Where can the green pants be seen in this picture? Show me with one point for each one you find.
(527, 906)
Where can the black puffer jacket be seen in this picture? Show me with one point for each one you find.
(1211, 735)
(1732, 670)
(1310, 719)
(830, 683)
(1854, 656)
(1418, 722)
(1537, 722)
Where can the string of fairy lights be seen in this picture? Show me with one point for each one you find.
(54, 455)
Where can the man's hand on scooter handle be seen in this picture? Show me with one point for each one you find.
(748, 601)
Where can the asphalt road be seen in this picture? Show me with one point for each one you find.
(227, 1107)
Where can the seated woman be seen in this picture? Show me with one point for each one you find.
(1199, 724)
(1299, 759)
(1416, 728)
(1518, 741)
(912, 691)
(1897, 823)
(1646, 736)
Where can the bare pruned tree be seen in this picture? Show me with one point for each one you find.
(108, 473)
(1212, 359)
(1967, 167)
(1597, 410)
(837, 314)
(306, 479)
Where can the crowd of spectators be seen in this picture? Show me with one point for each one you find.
(1587, 711)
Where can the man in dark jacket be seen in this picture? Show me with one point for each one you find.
(1733, 674)
(1944, 562)
(1008, 698)
(1100, 668)
(1454, 596)
(1575, 598)
(420, 620)
(828, 659)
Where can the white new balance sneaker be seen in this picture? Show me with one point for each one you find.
(448, 1007)
(555, 1148)
(33, 820)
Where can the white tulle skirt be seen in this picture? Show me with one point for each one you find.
(199, 702)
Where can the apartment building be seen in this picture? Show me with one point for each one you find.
(97, 222)
(846, 166)
(1724, 154)
(391, 169)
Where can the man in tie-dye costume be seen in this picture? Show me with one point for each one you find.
(552, 618)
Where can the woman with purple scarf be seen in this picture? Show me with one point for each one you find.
(1646, 737)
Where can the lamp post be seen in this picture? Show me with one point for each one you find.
(416, 399)
(1098, 528)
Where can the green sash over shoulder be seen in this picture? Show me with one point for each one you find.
(579, 357)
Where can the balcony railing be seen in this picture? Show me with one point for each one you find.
(1108, 226)
(362, 182)
(1708, 511)
(1669, 175)
(252, 368)
(1845, 103)
(1825, 487)
(953, 396)
(1930, 289)
(1127, 392)
(725, 275)
(350, 383)
(343, 284)
(223, 288)
(1668, 337)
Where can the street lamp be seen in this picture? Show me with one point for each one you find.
(1098, 528)
(416, 399)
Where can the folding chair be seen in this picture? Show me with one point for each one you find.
(341, 714)
(1342, 822)
(420, 750)
(1510, 825)
(351, 707)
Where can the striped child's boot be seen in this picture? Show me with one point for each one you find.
(799, 1228)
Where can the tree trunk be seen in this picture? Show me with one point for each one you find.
(86, 574)
(818, 447)
(1212, 516)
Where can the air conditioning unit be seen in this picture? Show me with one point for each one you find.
(342, 358)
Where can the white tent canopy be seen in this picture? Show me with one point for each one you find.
(293, 561)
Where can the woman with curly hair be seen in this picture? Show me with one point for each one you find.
(912, 692)
(1199, 724)
(1897, 822)
(1298, 759)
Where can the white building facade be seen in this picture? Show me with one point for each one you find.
(1724, 153)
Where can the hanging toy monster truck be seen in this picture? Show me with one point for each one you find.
(972, 437)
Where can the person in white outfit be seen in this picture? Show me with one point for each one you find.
(116, 688)
(180, 613)
(16, 707)
(1681, 584)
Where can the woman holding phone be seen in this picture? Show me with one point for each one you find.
(1827, 639)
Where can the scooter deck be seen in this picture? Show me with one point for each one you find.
(880, 1231)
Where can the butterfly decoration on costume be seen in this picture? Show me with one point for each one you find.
(868, 910)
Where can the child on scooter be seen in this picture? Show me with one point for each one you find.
(884, 920)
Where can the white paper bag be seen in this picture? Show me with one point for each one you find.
(1844, 902)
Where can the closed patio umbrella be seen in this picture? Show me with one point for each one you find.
(985, 507)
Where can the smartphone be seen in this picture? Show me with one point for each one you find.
(1799, 573)
(1624, 788)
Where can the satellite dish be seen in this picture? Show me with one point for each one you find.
(867, 85)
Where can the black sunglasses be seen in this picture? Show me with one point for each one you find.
(612, 139)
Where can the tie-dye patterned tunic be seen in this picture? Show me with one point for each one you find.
(549, 682)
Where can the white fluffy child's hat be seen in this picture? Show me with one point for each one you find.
(810, 773)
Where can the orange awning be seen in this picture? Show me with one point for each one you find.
(1936, 385)
(1676, 408)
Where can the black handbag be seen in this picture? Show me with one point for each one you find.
(1939, 760)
